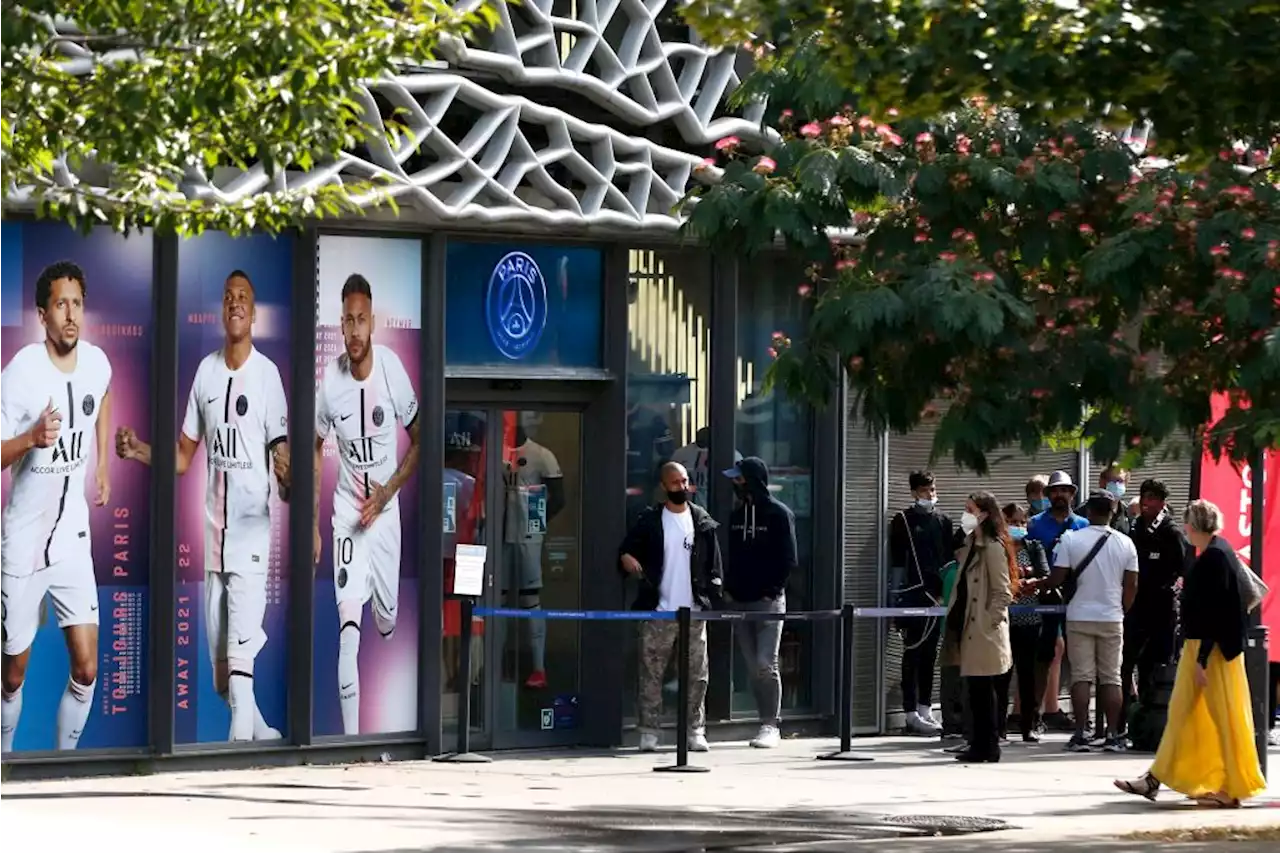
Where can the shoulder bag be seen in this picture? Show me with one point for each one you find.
(1069, 588)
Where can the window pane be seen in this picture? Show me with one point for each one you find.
(779, 431)
(668, 391)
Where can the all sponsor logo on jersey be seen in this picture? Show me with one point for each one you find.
(363, 452)
(516, 305)
(224, 450)
(66, 455)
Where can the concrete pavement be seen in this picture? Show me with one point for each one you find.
(911, 795)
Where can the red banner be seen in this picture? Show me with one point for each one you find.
(1231, 488)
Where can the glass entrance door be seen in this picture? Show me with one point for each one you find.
(524, 502)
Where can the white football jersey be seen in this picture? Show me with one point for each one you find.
(363, 417)
(525, 473)
(46, 519)
(240, 415)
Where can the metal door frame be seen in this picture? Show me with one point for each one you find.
(493, 406)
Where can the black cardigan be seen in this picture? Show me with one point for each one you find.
(1212, 604)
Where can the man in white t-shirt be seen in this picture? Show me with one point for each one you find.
(534, 487)
(694, 457)
(363, 400)
(237, 407)
(55, 406)
(673, 552)
(1101, 564)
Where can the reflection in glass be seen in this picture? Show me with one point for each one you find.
(464, 523)
(540, 568)
(668, 392)
(779, 431)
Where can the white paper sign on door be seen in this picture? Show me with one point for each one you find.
(468, 570)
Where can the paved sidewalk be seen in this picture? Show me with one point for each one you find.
(778, 800)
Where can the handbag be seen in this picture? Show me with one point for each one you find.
(1255, 591)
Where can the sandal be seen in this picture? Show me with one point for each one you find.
(1217, 801)
(1148, 787)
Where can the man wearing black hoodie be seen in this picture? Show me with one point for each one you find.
(673, 551)
(762, 553)
(1150, 626)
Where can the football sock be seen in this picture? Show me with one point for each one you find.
(10, 711)
(243, 706)
(349, 677)
(73, 712)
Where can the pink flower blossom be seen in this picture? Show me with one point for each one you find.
(838, 121)
(925, 138)
(1248, 233)
(1086, 229)
(811, 130)
(949, 257)
(773, 353)
(804, 289)
(764, 166)
(1219, 250)
(866, 123)
(922, 236)
(962, 144)
(787, 113)
(1056, 216)
(893, 112)
(995, 149)
(729, 142)
(957, 234)
(707, 163)
(984, 276)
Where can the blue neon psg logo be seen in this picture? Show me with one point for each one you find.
(515, 305)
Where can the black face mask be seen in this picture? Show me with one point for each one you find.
(740, 489)
(678, 497)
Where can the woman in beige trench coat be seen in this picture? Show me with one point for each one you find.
(978, 617)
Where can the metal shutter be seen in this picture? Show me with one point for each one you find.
(1174, 469)
(1009, 471)
(862, 478)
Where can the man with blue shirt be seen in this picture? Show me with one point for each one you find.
(1047, 528)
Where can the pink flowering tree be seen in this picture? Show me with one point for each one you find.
(1011, 281)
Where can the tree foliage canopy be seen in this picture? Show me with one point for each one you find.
(1015, 279)
(143, 93)
(1204, 73)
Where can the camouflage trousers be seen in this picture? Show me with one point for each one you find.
(657, 641)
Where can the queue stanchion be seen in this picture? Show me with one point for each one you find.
(1257, 670)
(684, 623)
(845, 680)
(463, 754)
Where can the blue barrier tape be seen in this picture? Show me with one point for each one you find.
(759, 616)
(883, 612)
(579, 615)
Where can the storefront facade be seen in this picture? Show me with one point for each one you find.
(525, 361)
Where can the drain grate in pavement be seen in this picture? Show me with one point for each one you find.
(946, 824)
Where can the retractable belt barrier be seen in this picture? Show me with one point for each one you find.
(685, 617)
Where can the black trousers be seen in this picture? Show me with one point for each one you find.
(1031, 671)
(919, 655)
(985, 741)
(1149, 642)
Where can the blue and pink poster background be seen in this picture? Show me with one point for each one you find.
(118, 283)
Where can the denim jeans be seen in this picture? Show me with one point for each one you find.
(760, 642)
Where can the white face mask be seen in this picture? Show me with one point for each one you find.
(968, 522)
(925, 503)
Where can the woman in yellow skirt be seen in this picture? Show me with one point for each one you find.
(1207, 751)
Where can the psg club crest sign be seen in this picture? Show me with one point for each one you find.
(515, 308)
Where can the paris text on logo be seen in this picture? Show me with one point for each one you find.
(516, 305)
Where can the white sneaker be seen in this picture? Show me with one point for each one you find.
(926, 714)
(698, 742)
(1273, 738)
(648, 742)
(918, 725)
(768, 738)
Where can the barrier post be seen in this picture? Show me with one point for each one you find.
(464, 755)
(684, 622)
(1258, 670)
(844, 678)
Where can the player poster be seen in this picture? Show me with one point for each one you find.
(369, 322)
(233, 514)
(76, 354)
